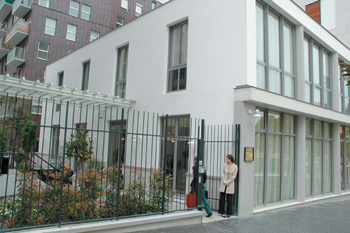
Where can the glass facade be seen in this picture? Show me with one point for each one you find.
(275, 52)
(274, 162)
(318, 158)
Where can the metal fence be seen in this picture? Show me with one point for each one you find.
(65, 162)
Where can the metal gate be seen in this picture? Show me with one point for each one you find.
(214, 143)
(78, 162)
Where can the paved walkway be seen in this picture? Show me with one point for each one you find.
(326, 216)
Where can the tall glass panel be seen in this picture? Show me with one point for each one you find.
(288, 168)
(308, 167)
(347, 156)
(259, 168)
(289, 86)
(318, 129)
(261, 76)
(328, 167)
(259, 162)
(260, 32)
(317, 96)
(288, 47)
(275, 81)
(275, 122)
(274, 168)
(342, 165)
(318, 166)
(184, 43)
(316, 64)
(274, 42)
(347, 163)
(326, 72)
(175, 48)
(289, 127)
(306, 60)
(307, 93)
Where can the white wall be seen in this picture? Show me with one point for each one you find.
(217, 59)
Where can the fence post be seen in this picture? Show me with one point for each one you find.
(63, 160)
(237, 151)
(119, 160)
(200, 166)
(164, 163)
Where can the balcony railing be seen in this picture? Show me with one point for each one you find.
(5, 8)
(21, 7)
(18, 32)
(16, 57)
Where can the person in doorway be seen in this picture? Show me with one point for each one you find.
(227, 186)
(194, 188)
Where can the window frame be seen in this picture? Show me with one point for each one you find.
(60, 77)
(43, 51)
(121, 81)
(266, 63)
(83, 12)
(71, 32)
(41, 3)
(91, 35)
(122, 21)
(323, 85)
(140, 7)
(122, 5)
(181, 66)
(50, 27)
(72, 10)
(85, 75)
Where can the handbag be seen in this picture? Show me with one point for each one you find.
(191, 200)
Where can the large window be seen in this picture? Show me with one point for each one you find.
(274, 166)
(71, 32)
(43, 51)
(178, 57)
(94, 35)
(120, 21)
(74, 8)
(317, 74)
(125, 5)
(85, 12)
(50, 26)
(138, 10)
(122, 67)
(86, 74)
(60, 84)
(345, 157)
(177, 148)
(344, 97)
(44, 3)
(318, 158)
(275, 52)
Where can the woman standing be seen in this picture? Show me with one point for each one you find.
(227, 186)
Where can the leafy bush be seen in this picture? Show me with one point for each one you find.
(92, 194)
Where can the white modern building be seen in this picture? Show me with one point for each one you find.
(186, 59)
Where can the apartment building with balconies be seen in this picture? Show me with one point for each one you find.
(35, 33)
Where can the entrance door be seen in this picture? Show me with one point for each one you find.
(177, 150)
(115, 135)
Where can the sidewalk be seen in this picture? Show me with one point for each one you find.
(322, 216)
